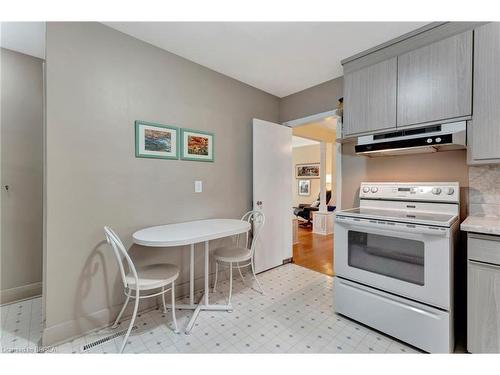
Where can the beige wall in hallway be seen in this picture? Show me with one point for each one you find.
(315, 131)
(98, 82)
(304, 155)
(311, 154)
(21, 169)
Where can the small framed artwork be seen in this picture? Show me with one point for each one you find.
(307, 170)
(156, 141)
(197, 145)
(304, 187)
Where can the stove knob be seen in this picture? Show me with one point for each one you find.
(450, 191)
(366, 189)
(374, 189)
(436, 191)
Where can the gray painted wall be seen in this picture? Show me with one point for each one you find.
(317, 99)
(21, 169)
(98, 82)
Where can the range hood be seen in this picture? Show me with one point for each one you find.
(444, 137)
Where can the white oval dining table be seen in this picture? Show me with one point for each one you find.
(191, 233)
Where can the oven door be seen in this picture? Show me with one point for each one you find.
(405, 259)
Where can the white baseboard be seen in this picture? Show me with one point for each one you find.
(20, 292)
(71, 329)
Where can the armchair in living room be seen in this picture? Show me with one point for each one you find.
(304, 211)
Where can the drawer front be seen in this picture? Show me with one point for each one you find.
(483, 308)
(484, 248)
(420, 325)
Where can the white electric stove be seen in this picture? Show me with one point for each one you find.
(393, 261)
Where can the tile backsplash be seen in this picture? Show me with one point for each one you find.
(484, 190)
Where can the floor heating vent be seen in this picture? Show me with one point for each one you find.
(106, 339)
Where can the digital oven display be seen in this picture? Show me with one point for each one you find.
(402, 189)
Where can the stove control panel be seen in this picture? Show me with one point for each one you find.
(418, 191)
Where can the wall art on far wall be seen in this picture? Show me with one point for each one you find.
(197, 145)
(156, 141)
(307, 170)
(304, 187)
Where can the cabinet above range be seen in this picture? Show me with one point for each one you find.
(484, 130)
(421, 78)
(435, 82)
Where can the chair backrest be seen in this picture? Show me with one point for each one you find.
(328, 196)
(120, 253)
(256, 220)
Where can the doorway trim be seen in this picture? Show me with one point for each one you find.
(338, 146)
(312, 118)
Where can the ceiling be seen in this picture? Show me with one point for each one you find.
(280, 58)
(301, 142)
(323, 130)
(24, 37)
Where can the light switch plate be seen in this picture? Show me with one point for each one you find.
(198, 186)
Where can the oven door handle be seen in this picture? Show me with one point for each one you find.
(375, 224)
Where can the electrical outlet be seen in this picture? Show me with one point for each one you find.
(198, 186)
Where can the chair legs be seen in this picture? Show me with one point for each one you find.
(241, 275)
(255, 277)
(261, 291)
(115, 324)
(132, 321)
(216, 274)
(230, 282)
(174, 320)
(163, 299)
(136, 308)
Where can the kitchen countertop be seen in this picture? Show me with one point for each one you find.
(482, 224)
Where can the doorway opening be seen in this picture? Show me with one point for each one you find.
(314, 190)
(22, 161)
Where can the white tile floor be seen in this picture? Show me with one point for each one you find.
(21, 328)
(294, 316)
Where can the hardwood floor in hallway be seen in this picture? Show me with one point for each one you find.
(314, 251)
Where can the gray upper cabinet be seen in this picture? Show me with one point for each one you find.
(370, 98)
(484, 131)
(435, 81)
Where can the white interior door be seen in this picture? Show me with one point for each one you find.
(272, 193)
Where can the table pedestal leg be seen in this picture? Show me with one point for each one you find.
(204, 303)
(196, 311)
(191, 275)
(207, 271)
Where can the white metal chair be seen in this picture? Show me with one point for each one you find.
(146, 278)
(240, 254)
